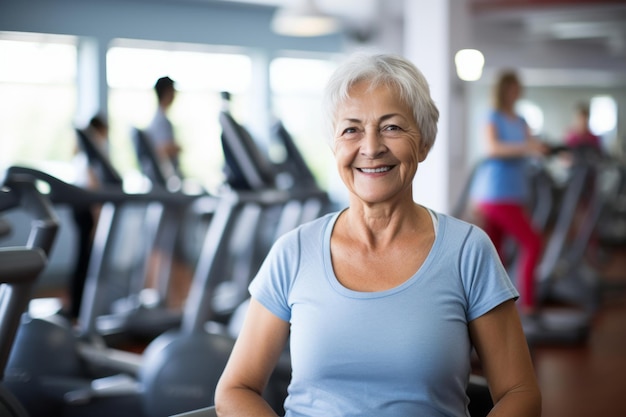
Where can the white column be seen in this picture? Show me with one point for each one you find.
(433, 32)
(92, 88)
(260, 105)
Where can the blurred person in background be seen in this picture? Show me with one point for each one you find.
(579, 133)
(501, 188)
(160, 130)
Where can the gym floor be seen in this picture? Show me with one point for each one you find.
(590, 380)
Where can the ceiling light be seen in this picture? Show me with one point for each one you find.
(303, 19)
(469, 64)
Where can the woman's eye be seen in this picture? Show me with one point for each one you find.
(391, 130)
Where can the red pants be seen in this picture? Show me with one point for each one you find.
(509, 219)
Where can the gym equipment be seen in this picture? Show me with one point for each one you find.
(249, 169)
(564, 275)
(178, 369)
(131, 310)
(246, 167)
(103, 168)
(19, 269)
(294, 164)
(45, 363)
(174, 221)
(159, 171)
(51, 387)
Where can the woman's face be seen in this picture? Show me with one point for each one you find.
(377, 144)
(513, 93)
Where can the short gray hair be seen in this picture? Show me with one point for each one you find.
(391, 70)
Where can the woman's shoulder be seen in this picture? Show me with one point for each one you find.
(492, 115)
(453, 223)
(461, 231)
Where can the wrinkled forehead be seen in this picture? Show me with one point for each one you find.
(370, 98)
(368, 88)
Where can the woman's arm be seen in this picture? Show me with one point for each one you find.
(256, 352)
(501, 345)
(497, 148)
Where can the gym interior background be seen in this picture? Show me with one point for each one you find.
(63, 61)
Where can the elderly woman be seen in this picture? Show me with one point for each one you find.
(381, 302)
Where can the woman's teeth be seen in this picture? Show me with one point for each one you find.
(375, 170)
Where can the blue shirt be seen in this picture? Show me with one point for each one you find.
(399, 352)
(501, 180)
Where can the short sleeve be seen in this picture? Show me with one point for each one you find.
(160, 130)
(485, 279)
(273, 281)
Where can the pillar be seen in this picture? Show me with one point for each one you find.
(433, 32)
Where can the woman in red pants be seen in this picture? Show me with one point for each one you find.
(501, 186)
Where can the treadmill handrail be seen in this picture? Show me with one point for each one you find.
(294, 163)
(102, 164)
(257, 170)
(45, 224)
(62, 192)
(159, 171)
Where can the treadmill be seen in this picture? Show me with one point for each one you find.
(94, 321)
(135, 310)
(565, 280)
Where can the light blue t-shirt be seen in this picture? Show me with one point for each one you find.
(161, 131)
(160, 128)
(503, 179)
(400, 352)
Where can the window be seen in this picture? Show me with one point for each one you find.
(38, 87)
(533, 115)
(297, 86)
(200, 75)
(602, 115)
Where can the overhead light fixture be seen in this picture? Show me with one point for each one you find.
(469, 64)
(303, 19)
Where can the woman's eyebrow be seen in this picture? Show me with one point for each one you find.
(380, 119)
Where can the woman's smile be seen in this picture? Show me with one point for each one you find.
(377, 170)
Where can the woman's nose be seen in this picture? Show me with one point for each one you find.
(373, 144)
